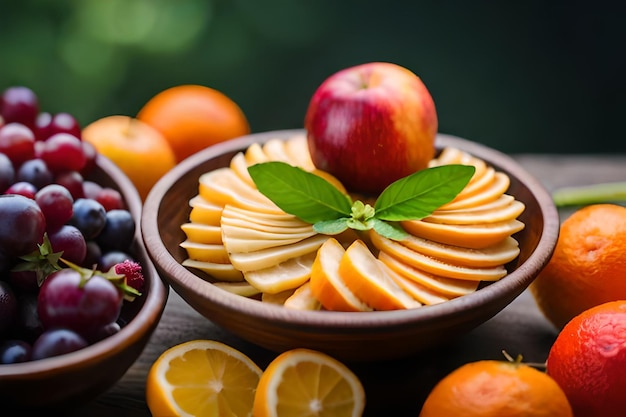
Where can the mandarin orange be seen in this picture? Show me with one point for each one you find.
(588, 361)
(587, 266)
(491, 388)
(193, 117)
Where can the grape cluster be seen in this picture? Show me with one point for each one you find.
(65, 262)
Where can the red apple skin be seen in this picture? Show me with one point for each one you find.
(370, 125)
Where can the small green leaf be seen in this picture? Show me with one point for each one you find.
(331, 227)
(300, 193)
(418, 195)
(389, 230)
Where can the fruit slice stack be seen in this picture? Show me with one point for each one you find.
(249, 246)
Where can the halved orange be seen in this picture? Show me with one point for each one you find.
(202, 378)
(303, 382)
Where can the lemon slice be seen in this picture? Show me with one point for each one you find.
(239, 166)
(254, 155)
(419, 292)
(498, 186)
(303, 382)
(205, 252)
(264, 221)
(283, 276)
(297, 149)
(275, 150)
(303, 299)
(497, 215)
(202, 378)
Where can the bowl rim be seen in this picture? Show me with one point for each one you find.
(178, 275)
(147, 316)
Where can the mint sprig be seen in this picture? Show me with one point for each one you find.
(316, 201)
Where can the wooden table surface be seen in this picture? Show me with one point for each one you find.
(399, 387)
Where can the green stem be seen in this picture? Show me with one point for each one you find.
(590, 194)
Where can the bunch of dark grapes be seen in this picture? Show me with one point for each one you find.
(65, 261)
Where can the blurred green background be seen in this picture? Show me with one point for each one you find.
(518, 76)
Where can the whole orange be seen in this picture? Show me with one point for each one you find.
(138, 149)
(587, 266)
(193, 117)
(588, 361)
(491, 388)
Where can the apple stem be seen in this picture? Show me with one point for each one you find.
(590, 194)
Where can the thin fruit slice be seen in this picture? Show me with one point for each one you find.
(204, 212)
(202, 233)
(298, 150)
(326, 283)
(240, 167)
(283, 276)
(502, 201)
(434, 266)
(417, 291)
(275, 150)
(449, 287)
(475, 236)
(367, 277)
(278, 298)
(266, 258)
(262, 221)
(202, 378)
(222, 272)
(498, 254)
(507, 213)
(238, 288)
(303, 382)
(255, 155)
(498, 187)
(205, 252)
(303, 299)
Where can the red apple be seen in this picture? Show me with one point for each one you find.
(370, 125)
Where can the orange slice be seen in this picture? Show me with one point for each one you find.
(367, 278)
(417, 291)
(303, 382)
(327, 285)
(202, 378)
(497, 187)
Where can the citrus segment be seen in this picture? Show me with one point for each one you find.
(368, 279)
(202, 378)
(302, 382)
(326, 283)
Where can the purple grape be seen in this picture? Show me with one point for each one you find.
(19, 104)
(65, 300)
(36, 172)
(8, 307)
(7, 173)
(118, 231)
(55, 342)
(17, 142)
(73, 181)
(69, 240)
(63, 152)
(89, 217)
(14, 351)
(22, 225)
(28, 325)
(57, 205)
(22, 188)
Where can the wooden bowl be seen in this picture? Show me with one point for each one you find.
(351, 336)
(73, 379)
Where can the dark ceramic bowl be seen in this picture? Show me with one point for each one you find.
(351, 336)
(72, 379)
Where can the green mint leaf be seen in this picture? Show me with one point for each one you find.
(418, 195)
(389, 230)
(331, 227)
(300, 193)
